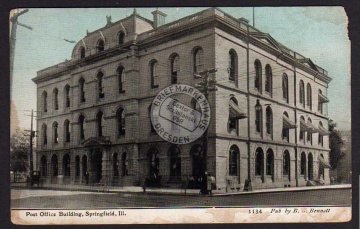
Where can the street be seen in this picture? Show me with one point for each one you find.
(37, 198)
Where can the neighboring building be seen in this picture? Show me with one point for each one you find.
(268, 117)
(344, 167)
(14, 119)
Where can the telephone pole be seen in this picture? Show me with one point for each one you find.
(32, 135)
(206, 86)
(14, 23)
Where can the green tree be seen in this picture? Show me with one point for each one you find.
(336, 144)
(19, 150)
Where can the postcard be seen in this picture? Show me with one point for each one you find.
(180, 115)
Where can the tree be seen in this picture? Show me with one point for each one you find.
(336, 143)
(19, 151)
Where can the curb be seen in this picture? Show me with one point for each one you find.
(159, 192)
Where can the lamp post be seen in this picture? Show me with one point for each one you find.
(258, 106)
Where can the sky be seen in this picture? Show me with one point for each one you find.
(318, 33)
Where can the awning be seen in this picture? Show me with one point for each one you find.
(235, 111)
(323, 131)
(323, 162)
(288, 124)
(323, 98)
(309, 127)
(303, 125)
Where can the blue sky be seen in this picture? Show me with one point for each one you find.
(319, 33)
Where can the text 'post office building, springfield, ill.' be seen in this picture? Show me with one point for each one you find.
(268, 112)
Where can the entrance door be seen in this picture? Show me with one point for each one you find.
(196, 153)
(96, 165)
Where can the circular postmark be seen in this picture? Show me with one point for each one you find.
(176, 122)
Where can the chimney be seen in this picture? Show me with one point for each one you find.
(159, 18)
(244, 20)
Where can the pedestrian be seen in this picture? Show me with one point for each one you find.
(87, 177)
(208, 184)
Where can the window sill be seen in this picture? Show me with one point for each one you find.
(268, 93)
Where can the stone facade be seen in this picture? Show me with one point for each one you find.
(94, 109)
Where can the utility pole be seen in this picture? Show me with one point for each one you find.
(14, 23)
(205, 86)
(32, 135)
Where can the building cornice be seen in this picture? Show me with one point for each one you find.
(183, 27)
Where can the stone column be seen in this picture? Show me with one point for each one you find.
(106, 166)
(81, 170)
(72, 169)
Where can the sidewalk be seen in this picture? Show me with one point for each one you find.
(171, 191)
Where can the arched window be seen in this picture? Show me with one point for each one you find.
(175, 67)
(82, 90)
(268, 79)
(285, 129)
(285, 88)
(100, 123)
(82, 127)
(302, 93)
(286, 163)
(43, 165)
(310, 167)
(258, 117)
(54, 165)
(77, 166)
(56, 98)
(233, 63)
(309, 133)
(154, 74)
(259, 162)
(198, 56)
(234, 157)
(82, 52)
(115, 162)
(303, 163)
(55, 132)
(121, 37)
(100, 78)
(175, 161)
(302, 129)
(258, 75)
(44, 134)
(152, 129)
(84, 164)
(153, 162)
(100, 46)
(309, 96)
(321, 137)
(269, 162)
(233, 121)
(125, 164)
(121, 78)
(196, 153)
(320, 104)
(44, 97)
(120, 114)
(67, 130)
(67, 95)
(269, 121)
(321, 168)
(66, 165)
